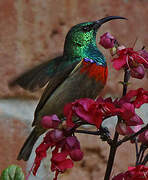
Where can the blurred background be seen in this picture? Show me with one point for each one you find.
(32, 31)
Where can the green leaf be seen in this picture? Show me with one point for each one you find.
(13, 172)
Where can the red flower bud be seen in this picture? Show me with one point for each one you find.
(138, 72)
(76, 155)
(107, 40)
(56, 135)
(52, 121)
(72, 143)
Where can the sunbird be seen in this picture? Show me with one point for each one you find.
(81, 72)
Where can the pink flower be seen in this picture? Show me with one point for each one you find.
(107, 107)
(84, 108)
(52, 138)
(40, 154)
(63, 145)
(128, 58)
(143, 137)
(90, 111)
(127, 104)
(94, 112)
(136, 97)
(50, 121)
(72, 146)
(128, 114)
(107, 40)
(123, 58)
(139, 172)
(60, 162)
(125, 130)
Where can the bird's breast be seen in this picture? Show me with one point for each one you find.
(95, 71)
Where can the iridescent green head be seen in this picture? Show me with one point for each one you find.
(82, 35)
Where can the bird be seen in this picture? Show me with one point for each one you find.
(81, 72)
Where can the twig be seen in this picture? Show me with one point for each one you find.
(138, 156)
(136, 147)
(108, 140)
(87, 132)
(126, 79)
(142, 154)
(145, 160)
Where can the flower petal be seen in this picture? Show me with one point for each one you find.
(119, 63)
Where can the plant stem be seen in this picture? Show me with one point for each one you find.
(141, 157)
(87, 132)
(126, 79)
(145, 160)
(138, 156)
(113, 146)
(109, 140)
(136, 147)
(144, 147)
(112, 153)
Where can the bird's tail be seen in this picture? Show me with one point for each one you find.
(28, 145)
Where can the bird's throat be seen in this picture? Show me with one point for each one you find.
(91, 51)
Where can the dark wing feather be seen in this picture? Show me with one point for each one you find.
(54, 83)
(37, 77)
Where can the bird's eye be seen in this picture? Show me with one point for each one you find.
(86, 28)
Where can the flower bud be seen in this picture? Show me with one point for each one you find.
(52, 121)
(76, 155)
(72, 142)
(56, 135)
(107, 40)
(138, 72)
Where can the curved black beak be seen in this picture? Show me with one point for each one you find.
(98, 23)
